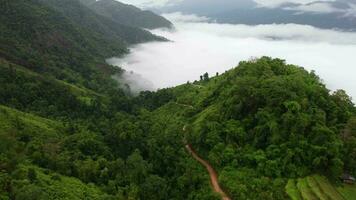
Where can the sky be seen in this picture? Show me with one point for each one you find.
(198, 47)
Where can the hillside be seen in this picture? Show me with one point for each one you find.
(263, 130)
(261, 124)
(129, 15)
(63, 39)
(127, 147)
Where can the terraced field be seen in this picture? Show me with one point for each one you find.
(318, 188)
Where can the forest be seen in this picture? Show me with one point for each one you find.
(69, 131)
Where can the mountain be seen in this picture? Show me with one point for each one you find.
(255, 16)
(206, 7)
(263, 130)
(261, 125)
(322, 14)
(129, 15)
(63, 39)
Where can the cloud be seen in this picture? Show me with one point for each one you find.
(278, 3)
(130, 81)
(316, 7)
(351, 11)
(200, 47)
(150, 3)
(178, 17)
(347, 8)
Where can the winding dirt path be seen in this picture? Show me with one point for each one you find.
(214, 180)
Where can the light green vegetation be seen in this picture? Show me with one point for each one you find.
(305, 190)
(319, 187)
(47, 185)
(347, 191)
(34, 126)
(292, 190)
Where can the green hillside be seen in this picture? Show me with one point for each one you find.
(256, 122)
(20, 135)
(68, 130)
(127, 147)
(129, 15)
(64, 39)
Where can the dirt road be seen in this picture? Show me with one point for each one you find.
(214, 180)
(212, 173)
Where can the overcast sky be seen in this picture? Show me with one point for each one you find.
(200, 47)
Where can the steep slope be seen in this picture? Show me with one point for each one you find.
(66, 129)
(68, 41)
(87, 18)
(129, 15)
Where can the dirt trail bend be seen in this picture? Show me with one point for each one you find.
(214, 180)
(212, 173)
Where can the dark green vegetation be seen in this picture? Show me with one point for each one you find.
(128, 14)
(266, 121)
(63, 39)
(67, 130)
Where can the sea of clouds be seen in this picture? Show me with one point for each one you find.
(199, 45)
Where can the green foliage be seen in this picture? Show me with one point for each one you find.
(32, 175)
(128, 14)
(275, 119)
(64, 39)
(349, 138)
(68, 132)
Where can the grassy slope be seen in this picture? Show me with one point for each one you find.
(35, 126)
(80, 92)
(54, 186)
(292, 190)
(16, 124)
(318, 187)
(348, 191)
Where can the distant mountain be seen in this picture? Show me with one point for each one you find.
(90, 20)
(254, 16)
(207, 7)
(128, 14)
(322, 14)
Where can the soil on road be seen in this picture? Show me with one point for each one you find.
(212, 173)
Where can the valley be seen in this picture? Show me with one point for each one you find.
(218, 124)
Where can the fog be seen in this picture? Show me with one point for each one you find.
(198, 47)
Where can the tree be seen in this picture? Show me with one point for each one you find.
(32, 175)
(206, 76)
(137, 168)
